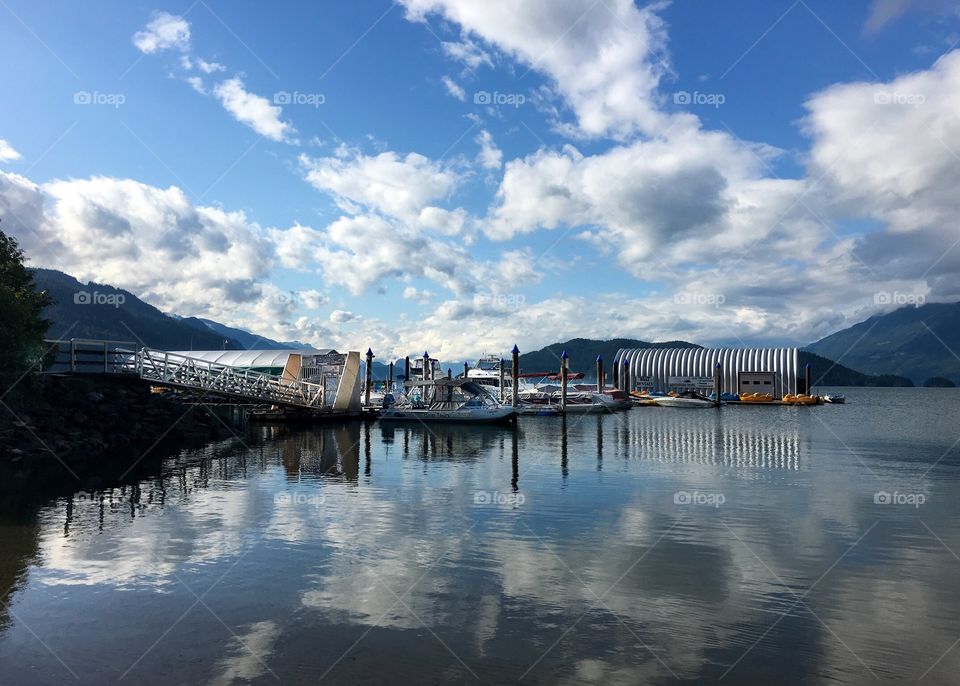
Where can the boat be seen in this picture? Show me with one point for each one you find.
(687, 399)
(835, 398)
(549, 395)
(446, 400)
(802, 399)
(756, 398)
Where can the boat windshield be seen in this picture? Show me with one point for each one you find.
(488, 365)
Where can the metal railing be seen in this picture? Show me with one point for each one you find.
(86, 356)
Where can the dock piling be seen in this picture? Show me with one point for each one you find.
(390, 377)
(515, 376)
(426, 365)
(599, 374)
(503, 390)
(406, 368)
(717, 383)
(368, 380)
(564, 367)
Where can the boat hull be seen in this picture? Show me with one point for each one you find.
(685, 403)
(471, 416)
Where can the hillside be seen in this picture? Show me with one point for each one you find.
(916, 342)
(99, 311)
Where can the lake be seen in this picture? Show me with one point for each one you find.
(747, 545)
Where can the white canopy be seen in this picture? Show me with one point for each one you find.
(249, 358)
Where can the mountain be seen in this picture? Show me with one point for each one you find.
(99, 311)
(249, 341)
(916, 342)
(583, 355)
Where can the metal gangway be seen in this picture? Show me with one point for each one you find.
(176, 370)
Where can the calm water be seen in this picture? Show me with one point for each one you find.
(654, 546)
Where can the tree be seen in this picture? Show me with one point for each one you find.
(22, 326)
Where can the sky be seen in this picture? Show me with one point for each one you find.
(463, 175)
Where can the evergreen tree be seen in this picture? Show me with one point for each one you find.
(22, 326)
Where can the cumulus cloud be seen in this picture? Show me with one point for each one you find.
(607, 68)
(165, 31)
(468, 52)
(253, 110)
(7, 152)
(400, 186)
(491, 157)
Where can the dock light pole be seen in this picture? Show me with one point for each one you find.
(368, 381)
(426, 365)
(515, 376)
(717, 383)
(599, 374)
(807, 378)
(503, 390)
(564, 368)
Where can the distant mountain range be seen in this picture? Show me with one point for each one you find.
(905, 347)
(916, 342)
(583, 354)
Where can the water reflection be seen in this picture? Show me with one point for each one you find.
(432, 564)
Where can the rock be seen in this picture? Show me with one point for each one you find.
(95, 397)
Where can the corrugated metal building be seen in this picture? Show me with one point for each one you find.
(767, 370)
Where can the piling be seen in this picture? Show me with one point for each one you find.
(389, 377)
(515, 376)
(599, 374)
(426, 365)
(406, 368)
(466, 368)
(614, 374)
(717, 383)
(368, 381)
(564, 366)
(503, 390)
(449, 373)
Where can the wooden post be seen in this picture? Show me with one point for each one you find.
(515, 376)
(368, 381)
(406, 368)
(426, 365)
(503, 381)
(449, 373)
(717, 383)
(614, 374)
(808, 378)
(323, 390)
(564, 366)
(389, 377)
(599, 374)
(466, 368)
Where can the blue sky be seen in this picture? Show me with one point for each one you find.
(362, 209)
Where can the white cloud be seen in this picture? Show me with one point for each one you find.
(253, 110)
(422, 296)
(7, 153)
(165, 31)
(209, 67)
(196, 83)
(468, 52)
(606, 59)
(397, 186)
(314, 299)
(491, 157)
(341, 316)
(454, 88)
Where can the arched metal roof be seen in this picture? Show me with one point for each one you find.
(248, 358)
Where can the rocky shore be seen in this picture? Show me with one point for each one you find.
(79, 432)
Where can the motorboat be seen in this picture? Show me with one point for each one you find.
(756, 398)
(446, 400)
(687, 399)
(619, 400)
(835, 398)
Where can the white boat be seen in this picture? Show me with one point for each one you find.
(688, 400)
(446, 400)
(835, 398)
